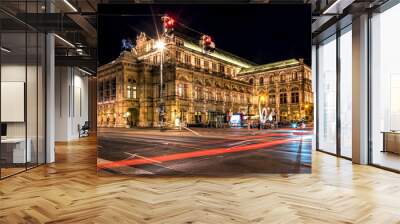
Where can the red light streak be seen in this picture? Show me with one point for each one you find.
(195, 154)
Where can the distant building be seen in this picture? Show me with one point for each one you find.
(199, 87)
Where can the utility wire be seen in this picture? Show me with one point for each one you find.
(187, 27)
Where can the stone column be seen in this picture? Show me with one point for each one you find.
(50, 92)
(360, 90)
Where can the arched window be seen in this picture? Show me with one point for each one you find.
(283, 78)
(295, 89)
(261, 81)
(282, 90)
(295, 97)
(198, 93)
(271, 79)
(182, 90)
(251, 81)
(227, 97)
(242, 98)
(219, 96)
(272, 99)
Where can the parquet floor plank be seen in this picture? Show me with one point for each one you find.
(70, 191)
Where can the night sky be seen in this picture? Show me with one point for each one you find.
(259, 33)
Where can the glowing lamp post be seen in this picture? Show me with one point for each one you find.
(261, 100)
(160, 46)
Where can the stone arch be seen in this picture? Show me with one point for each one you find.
(261, 80)
(251, 81)
(208, 82)
(183, 78)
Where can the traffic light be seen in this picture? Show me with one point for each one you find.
(168, 24)
(207, 44)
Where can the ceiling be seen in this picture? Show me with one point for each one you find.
(74, 21)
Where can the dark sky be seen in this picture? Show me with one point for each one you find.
(259, 33)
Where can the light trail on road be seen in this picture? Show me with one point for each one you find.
(200, 153)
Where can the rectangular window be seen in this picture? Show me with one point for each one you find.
(107, 90)
(295, 76)
(180, 90)
(283, 98)
(295, 97)
(219, 96)
(178, 56)
(23, 93)
(283, 78)
(197, 62)
(206, 65)
(113, 88)
(271, 79)
(327, 95)
(346, 94)
(178, 42)
(187, 59)
(214, 67)
(131, 91)
(227, 97)
(385, 88)
(196, 93)
(221, 68)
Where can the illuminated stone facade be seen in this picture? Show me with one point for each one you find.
(199, 87)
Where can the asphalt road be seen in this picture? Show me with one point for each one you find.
(203, 152)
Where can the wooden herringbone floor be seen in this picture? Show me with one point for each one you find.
(69, 191)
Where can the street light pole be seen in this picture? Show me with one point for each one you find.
(161, 88)
(160, 45)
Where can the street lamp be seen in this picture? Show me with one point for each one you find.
(261, 100)
(160, 46)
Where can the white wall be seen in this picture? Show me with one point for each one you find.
(71, 102)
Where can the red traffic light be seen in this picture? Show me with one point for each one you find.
(168, 22)
(207, 40)
(207, 43)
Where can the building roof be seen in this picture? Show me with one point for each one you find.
(218, 53)
(124, 56)
(269, 66)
